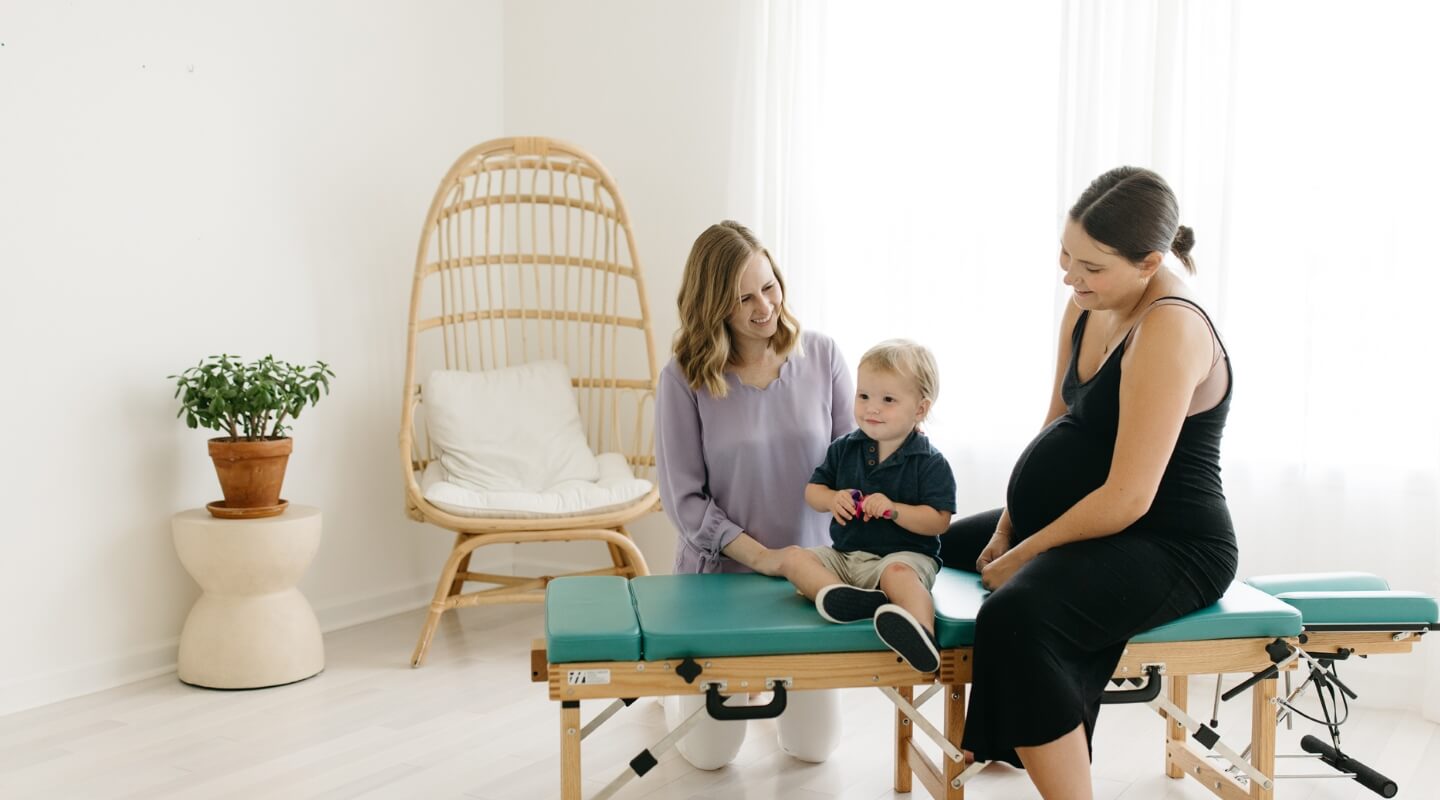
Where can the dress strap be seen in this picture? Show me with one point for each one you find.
(1217, 348)
(1215, 387)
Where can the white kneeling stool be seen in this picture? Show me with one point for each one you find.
(251, 627)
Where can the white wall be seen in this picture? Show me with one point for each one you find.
(649, 87)
(181, 179)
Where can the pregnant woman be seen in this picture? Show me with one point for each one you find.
(1115, 518)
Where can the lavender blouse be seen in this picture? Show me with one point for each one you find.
(740, 463)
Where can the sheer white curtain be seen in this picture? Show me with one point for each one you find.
(907, 175)
(910, 164)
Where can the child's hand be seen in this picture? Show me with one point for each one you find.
(877, 506)
(842, 506)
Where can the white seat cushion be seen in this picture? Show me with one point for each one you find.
(616, 488)
(515, 429)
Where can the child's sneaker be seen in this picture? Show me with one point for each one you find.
(904, 634)
(839, 602)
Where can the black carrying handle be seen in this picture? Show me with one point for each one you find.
(1149, 691)
(715, 704)
(1369, 778)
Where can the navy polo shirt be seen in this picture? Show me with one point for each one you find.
(915, 474)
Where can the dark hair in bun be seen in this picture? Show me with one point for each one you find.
(1133, 211)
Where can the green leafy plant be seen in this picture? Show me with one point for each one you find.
(248, 401)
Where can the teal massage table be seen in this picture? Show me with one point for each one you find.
(609, 638)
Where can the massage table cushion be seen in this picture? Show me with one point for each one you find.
(653, 618)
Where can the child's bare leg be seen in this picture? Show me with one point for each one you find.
(900, 583)
(803, 568)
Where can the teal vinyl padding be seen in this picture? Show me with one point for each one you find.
(590, 618)
(740, 615)
(1319, 582)
(958, 596)
(737, 615)
(600, 618)
(1243, 612)
(1364, 608)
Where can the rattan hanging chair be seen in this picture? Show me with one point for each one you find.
(527, 254)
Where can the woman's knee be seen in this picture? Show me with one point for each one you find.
(1011, 608)
(709, 745)
(810, 726)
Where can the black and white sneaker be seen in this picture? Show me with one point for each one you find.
(904, 634)
(839, 602)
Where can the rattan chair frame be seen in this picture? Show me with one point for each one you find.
(477, 236)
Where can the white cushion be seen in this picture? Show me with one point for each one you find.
(617, 488)
(515, 429)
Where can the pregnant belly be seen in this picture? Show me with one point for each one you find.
(1059, 467)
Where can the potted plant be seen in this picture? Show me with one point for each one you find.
(251, 403)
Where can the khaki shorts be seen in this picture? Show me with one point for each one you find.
(862, 570)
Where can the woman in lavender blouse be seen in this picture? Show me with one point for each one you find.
(744, 412)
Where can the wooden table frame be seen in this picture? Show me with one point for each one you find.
(1177, 661)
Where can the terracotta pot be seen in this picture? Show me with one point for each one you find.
(251, 472)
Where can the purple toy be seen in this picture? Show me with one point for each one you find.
(859, 497)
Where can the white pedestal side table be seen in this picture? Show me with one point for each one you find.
(251, 627)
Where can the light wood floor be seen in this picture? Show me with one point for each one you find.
(469, 724)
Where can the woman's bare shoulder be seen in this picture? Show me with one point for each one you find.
(1175, 329)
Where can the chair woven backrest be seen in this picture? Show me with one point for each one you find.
(527, 254)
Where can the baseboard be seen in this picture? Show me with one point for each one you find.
(54, 686)
(360, 609)
(552, 567)
(160, 658)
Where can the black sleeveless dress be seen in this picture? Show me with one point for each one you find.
(1048, 641)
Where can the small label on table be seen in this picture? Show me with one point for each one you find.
(576, 677)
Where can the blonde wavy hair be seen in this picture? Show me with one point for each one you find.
(709, 294)
(909, 360)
